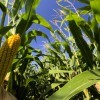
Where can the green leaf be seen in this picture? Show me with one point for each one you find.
(53, 85)
(25, 23)
(15, 60)
(82, 24)
(18, 5)
(28, 81)
(2, 6)
(27, 38)
(34, 33)
(39, 62)
(36, 59)
(87, 30)
(84, 1)
(96, 30)
(76, 85)
(59, 71)
(5, 29)
(67, 48)
(10, 82)
(31, 5)
(95, 5)
(65, 43)
(27, 17)
(40, 20)
(24, 65)
(84, 10)
(81, 43)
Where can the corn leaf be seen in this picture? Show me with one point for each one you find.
(25, 23)
(28, 81)
(18, 5)
(81, 82)
(59, 71)
(28, 16)
(31, 5)
(3, 8)
(84, 1)
(84, 10)
(82, 24)
(38, 33)
(95, 5)
(40, 20)
(65, 43)
(32, 35)
(81, 43)
(96, 30)
(5, 29)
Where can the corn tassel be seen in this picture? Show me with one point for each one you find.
(7, 53)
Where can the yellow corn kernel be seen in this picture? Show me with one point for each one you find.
(7, 53)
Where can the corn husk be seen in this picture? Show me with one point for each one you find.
(4, 95)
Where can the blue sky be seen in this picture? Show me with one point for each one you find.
(45, 9)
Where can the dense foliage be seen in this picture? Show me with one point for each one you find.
(69, 67)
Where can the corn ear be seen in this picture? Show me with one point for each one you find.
(7, 53)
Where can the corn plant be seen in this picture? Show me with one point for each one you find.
(69, 69)
(19, 17)
(79, 38)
